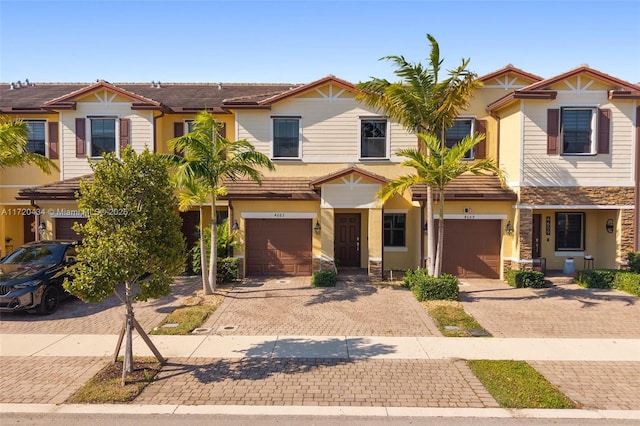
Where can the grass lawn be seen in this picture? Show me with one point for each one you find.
(448, 314)
(515, 384)
(106, 386)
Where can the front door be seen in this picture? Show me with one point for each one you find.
(190, 222)
(29, 228)
(347, 239)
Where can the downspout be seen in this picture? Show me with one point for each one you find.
(495, 117)
(155, 130)
(421, 233)
(231, 221)
(36, 218)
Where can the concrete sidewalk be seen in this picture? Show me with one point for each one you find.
(328, 347)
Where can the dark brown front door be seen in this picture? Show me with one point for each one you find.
(347, 239)
(535, 244)
(29, 228)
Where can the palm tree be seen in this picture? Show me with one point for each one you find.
(14, 135)
(208, 159)
(422, 104)
(437, 169)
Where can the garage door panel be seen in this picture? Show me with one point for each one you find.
(64, 229)
(472, 248)
(278, 246)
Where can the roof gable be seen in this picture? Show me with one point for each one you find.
(96, 87)
(566, 79)
(509, 77)
(331, 81)
(368, 176)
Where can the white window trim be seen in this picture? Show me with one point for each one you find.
(46, 132)
(271, 132)
(472, 132)
(387, 135)
(594, 130)
(406, 232)
(89, 135)
(186, 122)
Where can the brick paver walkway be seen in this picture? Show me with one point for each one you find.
(596, 385)
(558, 311)
(76, 317)
(290, 306)
(337, 382)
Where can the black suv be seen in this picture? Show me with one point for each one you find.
(31, 277)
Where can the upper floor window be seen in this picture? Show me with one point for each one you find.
(578, 129)
(395, 229)
(36, 137)
(460, 130)
(286, 137)
(570, 231)
(103, 136)
(373, 138)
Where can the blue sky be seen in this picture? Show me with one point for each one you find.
(301, 41)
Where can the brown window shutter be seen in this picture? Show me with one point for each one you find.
(481, 148)
(81, 139)
(604, 128)
(53, 140)
(178, 130)
(125, 132)
(222, 130)
(553, 125)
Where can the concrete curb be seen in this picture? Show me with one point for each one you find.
(268, 410)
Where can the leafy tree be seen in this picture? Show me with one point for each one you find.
(14, 135)
(132, 236)
(437, 169)
(422, 104)
(207, 160)
(225, 241)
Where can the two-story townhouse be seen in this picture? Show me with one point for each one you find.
(570, 146)
(74, 123)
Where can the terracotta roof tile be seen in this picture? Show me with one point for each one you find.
(272, 188)
(470, 187)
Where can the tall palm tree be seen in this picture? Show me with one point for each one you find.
(422, 104)
(208, 159)
(14, 135)
(437, 169)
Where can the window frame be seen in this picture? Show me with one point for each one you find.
(274, 119)
(387, 136)
(471, 154)
(116, 138)
(582, 232)
(45, 133)
(392, 245)
(593, 137)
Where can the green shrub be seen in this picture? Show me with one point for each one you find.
(228, 269)
(633, 257)
(323, 279)
(627, 281)
(596, 278)
(225, 243)
(426, 287)
(524, 278)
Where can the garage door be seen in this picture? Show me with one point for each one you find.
(278, 246)
(472, 248)
(64, 231)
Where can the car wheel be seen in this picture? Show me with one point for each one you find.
(50, 300)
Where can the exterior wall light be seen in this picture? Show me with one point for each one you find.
(609, 226)
(42, 228)
(317, 228)
(426, 227)
(508, 228)
(235, 226)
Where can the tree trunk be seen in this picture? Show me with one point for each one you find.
(213, 259)
(206, 288)
(431, 236)
(127, 363)
(439, 249)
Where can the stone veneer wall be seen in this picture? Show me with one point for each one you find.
(626, 241)
(322, 264)
(375, 271)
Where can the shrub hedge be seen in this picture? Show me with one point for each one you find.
(596, 278)
(628, 281)
(228, 269)
(426, 287)
(325, 278)
(524, 278)
(633, 257)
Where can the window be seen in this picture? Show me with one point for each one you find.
(395, 229)
(570, 231)
(103, 136)
(373, 138)
(460, 130)
(286, 137)
(578, 130)
(188, 126)
(36, 137)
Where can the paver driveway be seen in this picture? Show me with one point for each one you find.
(561, 310)
(290, 306)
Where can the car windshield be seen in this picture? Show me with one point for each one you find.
(37, 254)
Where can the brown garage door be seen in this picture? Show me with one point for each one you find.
(472, 248)
(278, 246)
(64, 231)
